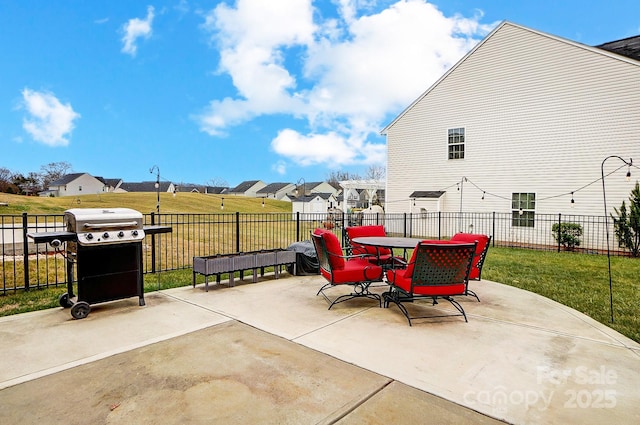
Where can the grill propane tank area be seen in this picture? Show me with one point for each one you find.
(106, 247)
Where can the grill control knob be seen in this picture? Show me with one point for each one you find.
(121, 234)
(106, 235)
(89, 236)
(134, 233)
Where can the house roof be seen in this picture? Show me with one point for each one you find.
(144, 186)
(629, 47)
(433, 194)
(216, 190)
(273, 188)
(596, 50)
(244, 186)
(111, 182)
(67, 178)
(189, 188)
(311, 197)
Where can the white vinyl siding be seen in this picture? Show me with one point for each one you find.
(544, 113)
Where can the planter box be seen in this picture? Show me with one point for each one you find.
(231, 263)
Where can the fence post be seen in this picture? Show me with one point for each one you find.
(237, 231)
(297, 226)
(153, 244)
(493, 229)
(404, 222)
(559, 230)
(439, 224)
(25, 250)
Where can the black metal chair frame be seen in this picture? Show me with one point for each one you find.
(427, 273)
(481, 258)
(360, 288)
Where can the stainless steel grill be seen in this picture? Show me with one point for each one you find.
(106, 246)
(95, 226)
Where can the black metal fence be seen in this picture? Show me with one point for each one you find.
(25, 265)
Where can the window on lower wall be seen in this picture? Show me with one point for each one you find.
(456, 143)
(523, 209)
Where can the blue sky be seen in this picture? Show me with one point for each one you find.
(213, 91)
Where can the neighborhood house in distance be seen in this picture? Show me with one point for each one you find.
(306, 197)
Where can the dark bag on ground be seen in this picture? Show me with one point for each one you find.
(306, 259)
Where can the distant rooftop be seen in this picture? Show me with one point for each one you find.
(629, 47)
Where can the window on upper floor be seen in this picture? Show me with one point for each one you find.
(523, 209)
(456, 143)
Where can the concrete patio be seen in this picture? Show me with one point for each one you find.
(271, 352)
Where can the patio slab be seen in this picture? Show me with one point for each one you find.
(229, 373)
(43, 342)
(520, 359)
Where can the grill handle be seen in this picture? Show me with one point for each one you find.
(119, 225)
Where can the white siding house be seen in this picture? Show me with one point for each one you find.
(522, 113)
(76, 184)
(314, 203)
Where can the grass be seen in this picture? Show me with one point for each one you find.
(197, 203)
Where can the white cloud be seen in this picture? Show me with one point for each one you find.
(49, 121)
(134, 29)
(344, 75)
(280, 167)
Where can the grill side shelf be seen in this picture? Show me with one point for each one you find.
(47, 237)
(154, 230)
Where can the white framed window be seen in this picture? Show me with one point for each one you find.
(523, 209)
(455, 142)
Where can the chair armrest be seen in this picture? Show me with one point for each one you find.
(348, 257)
(401, 261)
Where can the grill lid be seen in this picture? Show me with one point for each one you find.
(104, 225)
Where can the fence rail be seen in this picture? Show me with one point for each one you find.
(25, 265)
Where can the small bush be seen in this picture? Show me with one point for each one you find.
(627, 224)
(567, 234)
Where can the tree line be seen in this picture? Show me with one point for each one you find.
(35, 181)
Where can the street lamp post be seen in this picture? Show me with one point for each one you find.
(157, 185)
(304, 190)
(606, 223)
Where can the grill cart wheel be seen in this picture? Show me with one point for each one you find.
(80, 310)
(64, 300)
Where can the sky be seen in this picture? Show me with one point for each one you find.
(219, 92)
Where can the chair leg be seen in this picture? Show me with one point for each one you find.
(325, 286)
(473, 294)
(394, 298)
(458, 307)
(359, 290)
(347, 297)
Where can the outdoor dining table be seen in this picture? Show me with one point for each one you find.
(390, 242)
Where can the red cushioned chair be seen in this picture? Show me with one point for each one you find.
(435, 270)
(377, 255)
(482, 248)
(341, 269)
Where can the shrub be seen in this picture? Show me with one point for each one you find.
(627, 224)
(567, 234)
